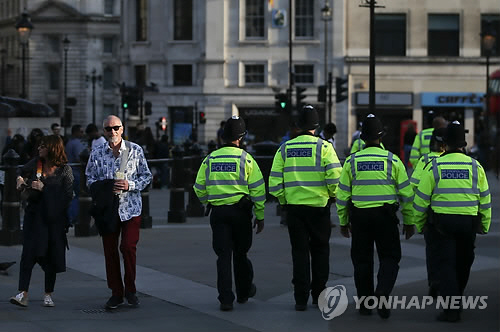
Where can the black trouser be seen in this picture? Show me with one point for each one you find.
(454, 236)
(309, 229)
(379, 226)
(26, 267)
(232, 236)
(431, 256)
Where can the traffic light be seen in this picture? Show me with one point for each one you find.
(148, 108)
(163, 123)
(202, 118)
(300, 96)
(125, 100)
(341, 91)
(280, 102)
(322, 93)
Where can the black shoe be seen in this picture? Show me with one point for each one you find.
(132, 299)
(363, 311)
(449, 316)
(114, 302)
(226, 306)
(300, 307)
(384, 313)
(251, 293)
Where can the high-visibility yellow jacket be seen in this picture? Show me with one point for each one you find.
(370, 178)
(421, 145)
(226, 175)
(453, 183)
(359, 145)
(305, 171)
(415, 176)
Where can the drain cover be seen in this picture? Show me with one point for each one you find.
(95, 311)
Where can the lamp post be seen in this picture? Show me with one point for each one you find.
(24, 28)
(65, 43)
(3, 54)
(326, 16)
(93, 78)
(488, 40)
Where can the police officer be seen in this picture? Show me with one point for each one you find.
(454, 192)
(304, 176)
(230, 181)
(421, 144)
(437, 147)
(372, 183)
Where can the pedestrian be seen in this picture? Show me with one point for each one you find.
(94, 137)
(47, 184)
(359, 144)
(304, 176)
(56, 130)
(453, 203)
(328, 133)
(421, 144)
(408, 139)
(230, 182)
(123, 163)
(74, 148)
(437, 147)
(220, 131)
(372, 185)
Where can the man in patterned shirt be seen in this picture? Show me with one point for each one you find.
(105, 163)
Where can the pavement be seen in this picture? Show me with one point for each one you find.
(176, 281)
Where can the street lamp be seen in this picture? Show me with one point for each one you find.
(65, 43)
(3, 54)
(24, 28)
(326, 16)
(94, 79)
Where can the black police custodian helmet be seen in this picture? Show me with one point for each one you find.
(234, 129)
(372, 128)
(455, 135)
(308, 118)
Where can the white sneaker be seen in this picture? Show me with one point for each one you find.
(20, 300)
(47, 301)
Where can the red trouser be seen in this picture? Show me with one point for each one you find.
(128, 247)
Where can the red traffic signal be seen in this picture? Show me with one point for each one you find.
(163, 123)
(202, 118)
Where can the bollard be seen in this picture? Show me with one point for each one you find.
(146, 219)
(194, 207)
(11, 233)
(177, 214)
(83, 227)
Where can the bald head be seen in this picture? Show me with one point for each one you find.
(111, 118)
(439, 122)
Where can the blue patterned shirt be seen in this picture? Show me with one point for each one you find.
(103, 165)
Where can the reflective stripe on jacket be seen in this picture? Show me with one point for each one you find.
(359, 145)
(305, 171)
(415, 176)
(421, 145)
(370, 178)
(226, 175)
(453, 184)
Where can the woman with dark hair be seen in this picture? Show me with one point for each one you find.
(47, 184)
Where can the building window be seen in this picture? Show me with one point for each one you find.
(107, 79)
(140, 75)
(108, 7)
(107, 110)
(494, 25)
(54, 43)
(141, 21)
(443, 35)
(183, 75)
(254, 19)
(183, 20)
(54, 77)
(304, 74)
(107, 46)
(254, 74)
(390, 34)
(304, 18)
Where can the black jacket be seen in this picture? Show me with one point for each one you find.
(104, 207)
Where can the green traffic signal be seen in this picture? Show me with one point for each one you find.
(125, 105)
(283, 105)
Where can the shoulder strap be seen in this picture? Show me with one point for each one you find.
(125, 153)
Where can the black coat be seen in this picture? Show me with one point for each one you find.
(104, 206)
(46, 216)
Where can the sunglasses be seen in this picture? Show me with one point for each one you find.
(115, 128)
